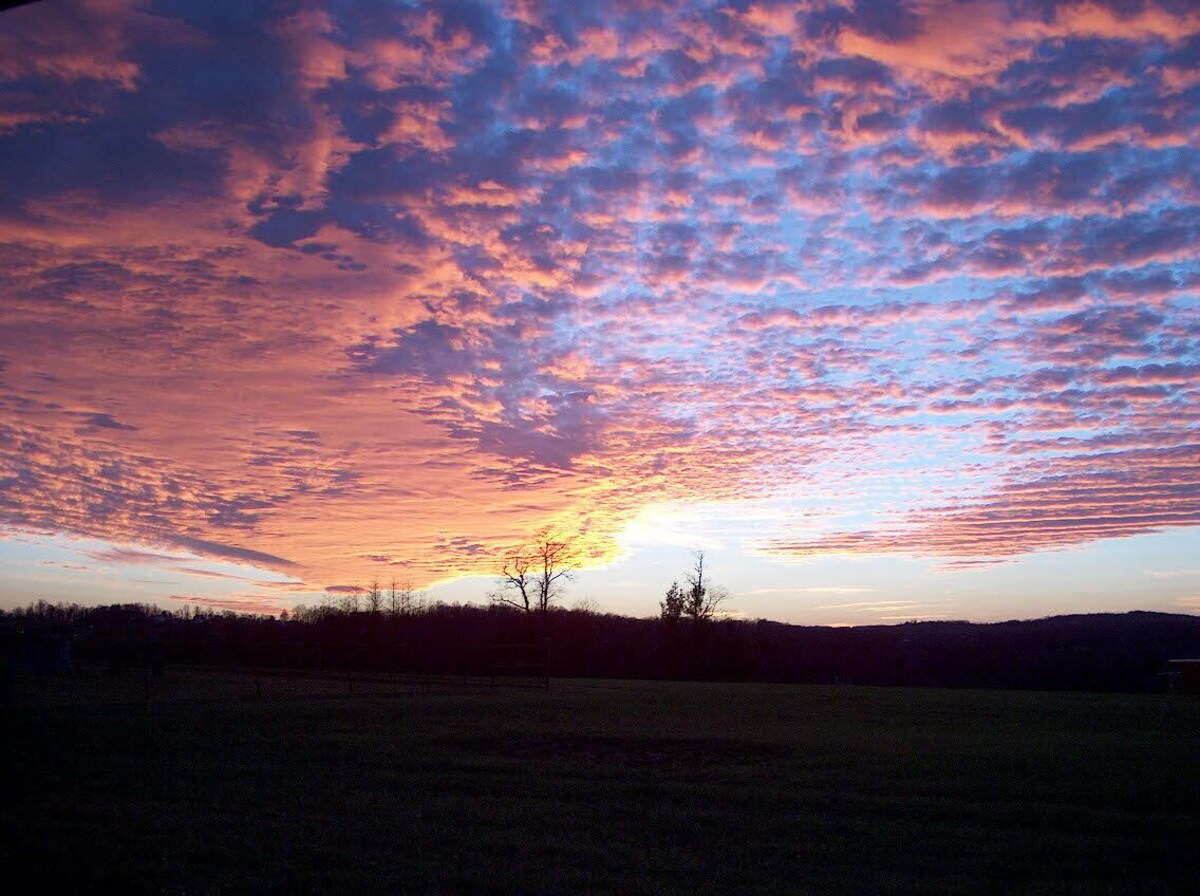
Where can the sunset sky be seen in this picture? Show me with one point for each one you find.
(891, 307)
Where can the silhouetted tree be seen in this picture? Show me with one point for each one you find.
(586, 605)
(533, 574)
(349, 600)
(701, 598)
(403, 599)
(672, 605)
(374, 597)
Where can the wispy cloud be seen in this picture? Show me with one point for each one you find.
(881, 606)
(242, 603)
(214, 574)
(814, 589)
(73, 567)
(133, 557)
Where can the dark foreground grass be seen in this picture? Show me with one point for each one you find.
(605, 787)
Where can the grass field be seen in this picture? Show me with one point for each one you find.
(597, 787)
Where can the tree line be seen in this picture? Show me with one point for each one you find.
(395, 599)
(1103, 652)
(396, 628)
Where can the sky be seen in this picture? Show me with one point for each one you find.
(892, 308)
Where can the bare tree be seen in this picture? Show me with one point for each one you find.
(533, 574)
(349, 601)
(516, 580)
(402, 599)
(374, 597)
(588, 605)
(700, 598)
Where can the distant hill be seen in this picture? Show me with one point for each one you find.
(1100, 651)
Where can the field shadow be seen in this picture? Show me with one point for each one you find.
(633, 752)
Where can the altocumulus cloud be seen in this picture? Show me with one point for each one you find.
(295, 286)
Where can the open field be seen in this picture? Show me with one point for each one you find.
(597, 787)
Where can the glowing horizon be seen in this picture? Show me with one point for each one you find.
(896, 301)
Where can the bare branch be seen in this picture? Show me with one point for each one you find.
(700, 599)
(402, 599)
(374, 597)
(533, 575)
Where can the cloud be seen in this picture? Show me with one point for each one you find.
(1172, 573)
(213, 574)
(1075, 499)
(133, 557)
(242, 555)
(301, 289)
(833, 589)
(240, 603)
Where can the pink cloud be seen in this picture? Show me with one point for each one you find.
(1070, 501)
(247, 603)
(408, 287)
